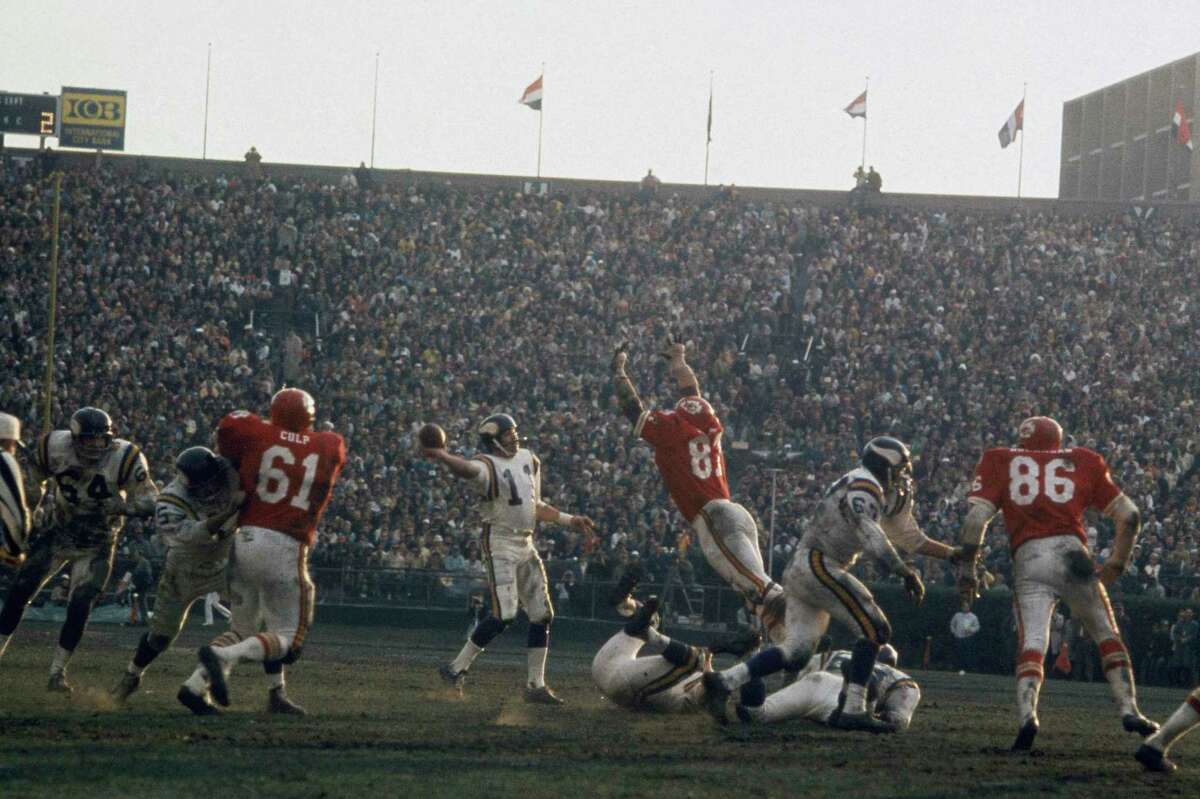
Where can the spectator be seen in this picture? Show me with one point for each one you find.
(1183, 649)
(964, 626)
(874, 181)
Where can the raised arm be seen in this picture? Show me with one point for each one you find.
(685, 378)
(627, 395)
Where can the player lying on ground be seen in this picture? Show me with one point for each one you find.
(868, 508)
(508, 478)
(1043, 490)
(820, 691)
(687, 451)
(666, 682)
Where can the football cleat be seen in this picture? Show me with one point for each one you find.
(1136, 722)
(1153, 759)
(196, 703)
(645, 618)
(862, 722)
(216, 675)
(125, 688)
(455, 679)
(58, 683)
(1025, 736)
(716, 696)
(737, 645)
(278, 702)
(542, 696)
(621, 597)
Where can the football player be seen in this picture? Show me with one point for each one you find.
(14, 510)
(508, 478)
(868, 508)
(1153, 753)
(97, 481)
(820, 691)
(195, 516)
(668, 682)
(687, 451)
(1043, 490)
(287, 471)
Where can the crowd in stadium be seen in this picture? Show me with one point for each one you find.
(181, 298)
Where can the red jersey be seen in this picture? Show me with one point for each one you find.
(1043, 493)
(288, 477)
(687, 449)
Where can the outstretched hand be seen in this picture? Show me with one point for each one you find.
(620, 357)
(672, 348)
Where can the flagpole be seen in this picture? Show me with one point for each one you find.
(207, 83)
(541, 114)
(1021, 156)
(374, 109)
(863, 163)
(708, 131)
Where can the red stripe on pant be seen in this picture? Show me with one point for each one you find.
(1029, 664)
(1113, 655)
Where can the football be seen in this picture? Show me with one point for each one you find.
(432, 436)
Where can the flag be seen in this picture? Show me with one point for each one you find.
(533, 95)
(1015, 122)
(858, 107)
(709, 115)
(1183, 131)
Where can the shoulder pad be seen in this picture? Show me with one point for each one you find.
(862, 480)
(128, 460)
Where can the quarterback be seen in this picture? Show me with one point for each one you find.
(508, 478)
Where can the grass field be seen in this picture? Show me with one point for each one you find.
(382, 725)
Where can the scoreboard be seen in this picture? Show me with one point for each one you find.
(30, 114)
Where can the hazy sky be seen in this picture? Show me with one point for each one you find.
(626, 82)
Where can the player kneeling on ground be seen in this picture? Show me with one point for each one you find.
(667, 682)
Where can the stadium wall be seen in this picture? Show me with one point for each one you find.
(403, 177)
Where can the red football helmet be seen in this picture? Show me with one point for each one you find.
(696, 411)
(1040, 432)
(293, 409)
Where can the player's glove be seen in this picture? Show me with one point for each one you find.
(913, 586)
(620, 358)
(672, 348)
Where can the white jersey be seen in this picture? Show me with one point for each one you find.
(893, 695)
(179, 519)
(511, 490)
(850, 519)
(86, 494)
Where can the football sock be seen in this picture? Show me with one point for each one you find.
(678, 653)
(147, 650)
(753, 694)
(274, 672)
(258, 648)
(1185, 719)
(1028, 689)
(197, 683)
(856, 699)
(466, 657)
(61, 656)
(536, 658)
(1117, 671)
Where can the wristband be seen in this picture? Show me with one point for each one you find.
(565, 518)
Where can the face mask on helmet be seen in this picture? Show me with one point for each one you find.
(889, 460)
(498, 435)
(202, 472)
(91, 434)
